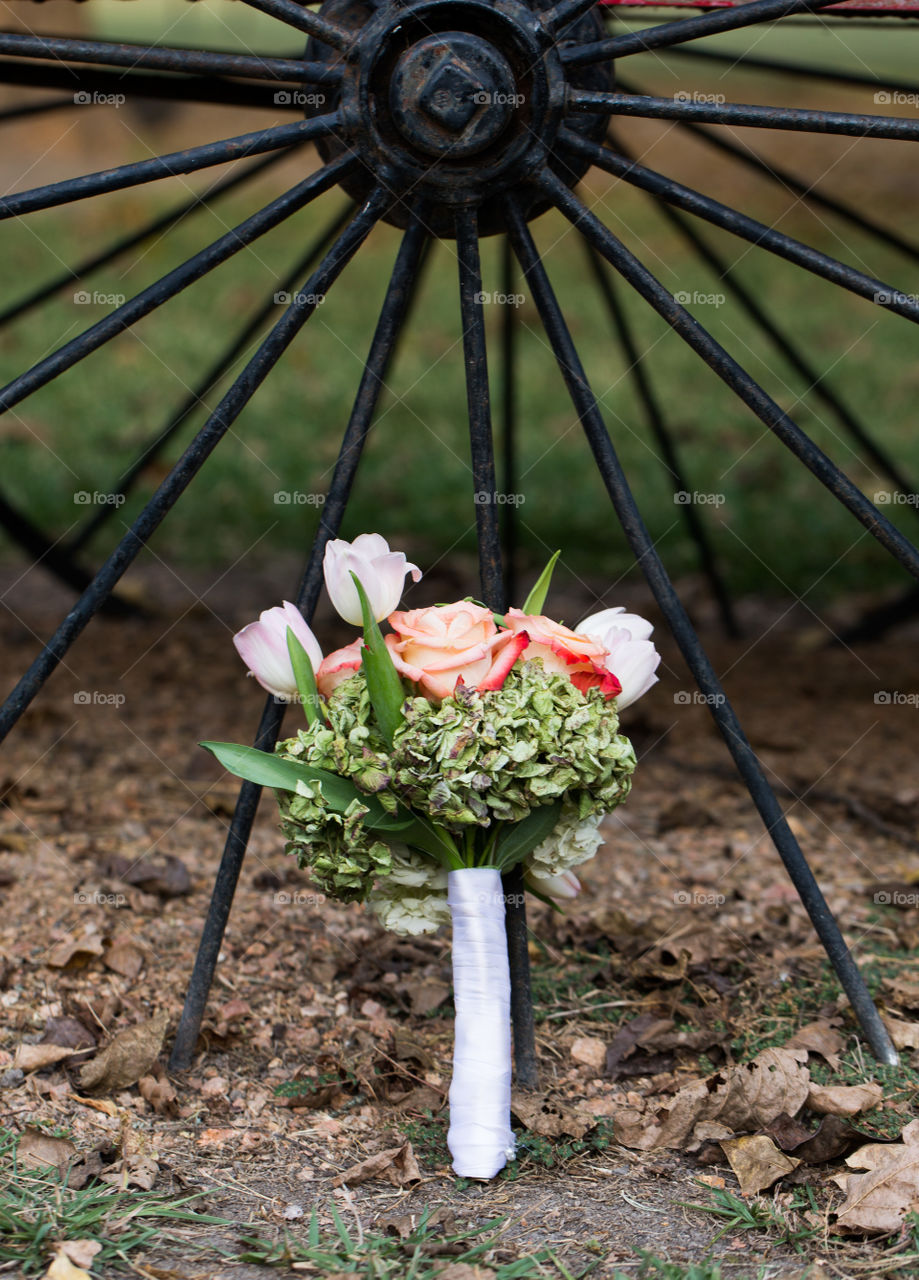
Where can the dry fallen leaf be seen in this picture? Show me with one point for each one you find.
(905, 1035)
(63, 1269)
(744, 1097)
(590, 1051)
(68, 1033)
(843, 1099)
(903, 991)
(32, 1057)
(751, 1095)
(159, 1093)
(757, 1162)
(880, 1199)
(168, 878)
(76, 952)
(128, 1057)
(547, 1116)
(833, 1137)
(398, 1165)
(135, 1170)
(38, 1150)
(80, 1252)
(405, 1224)
(424, 994)
(819, 1037)
(465, 1271)
(124, 957)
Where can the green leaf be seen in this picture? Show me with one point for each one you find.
(536, 600)
(383, 683)
(268, 770)
(520, 838)
(305, 678)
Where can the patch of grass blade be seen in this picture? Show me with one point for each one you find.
(653, 1268)
(417, 1257)
(759, 1215)
(38, 1208)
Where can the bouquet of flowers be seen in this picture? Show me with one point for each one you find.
(436, 758)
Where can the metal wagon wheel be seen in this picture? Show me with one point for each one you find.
(455, 120)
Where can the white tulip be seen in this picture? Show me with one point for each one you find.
(631, 655)
(262, 646)
(381, 573)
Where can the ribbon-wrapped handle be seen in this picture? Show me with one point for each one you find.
(480, 1139)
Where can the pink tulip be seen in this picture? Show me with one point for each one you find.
(262, 646)
(631, 655)
(381, 573)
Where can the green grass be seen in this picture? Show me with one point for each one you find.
(738, 1213)
(78, 433)
(654, 1268)
(37, 1208)
(420, 1256)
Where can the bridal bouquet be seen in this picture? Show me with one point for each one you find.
(437, 757)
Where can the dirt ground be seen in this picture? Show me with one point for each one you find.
(111, 829)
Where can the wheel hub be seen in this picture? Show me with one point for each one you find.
(455, 103)
(452, 95)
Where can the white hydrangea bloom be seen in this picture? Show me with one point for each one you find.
(414, 870)
(408, 913)
(571, 842)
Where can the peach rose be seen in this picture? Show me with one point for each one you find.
(440, 646)
(338, 666)
(579, 657)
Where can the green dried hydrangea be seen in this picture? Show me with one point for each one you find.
(349, 745)
(476, 759)
(481, 757)
(343, 858)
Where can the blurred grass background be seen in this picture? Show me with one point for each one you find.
(777, 530)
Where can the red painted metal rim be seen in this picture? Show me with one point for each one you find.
(859, 9)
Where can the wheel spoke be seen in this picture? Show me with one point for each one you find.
(746, 62)
(99, 87)
(105, 510)
(815, 382)
(509, 416)
(655, 419)
(94, 263)
(188, 466)
(669, 602)
(493, 594)
(683, 29)
(402, 286)
(178, 162)
(730, 372)
(293, 15)
(743, 114)
(177, 280)
(806, 191)
(484, 479)
(161, 58)
(757, 233)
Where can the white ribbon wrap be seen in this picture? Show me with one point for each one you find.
(480, 1139)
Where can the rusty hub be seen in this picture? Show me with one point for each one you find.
(455, 102)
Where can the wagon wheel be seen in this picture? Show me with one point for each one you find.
(457, 119)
